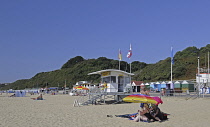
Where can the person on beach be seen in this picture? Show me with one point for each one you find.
(162, 92)
(104, 86)
(13, 95)
(144, 114)
(145, 92)
(38, 98)
(156, 113)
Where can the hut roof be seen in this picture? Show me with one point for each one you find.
(137, 83)
(115, 70)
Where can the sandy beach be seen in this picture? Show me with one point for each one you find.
(58, 111)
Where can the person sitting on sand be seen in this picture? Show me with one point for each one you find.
(38, 98)
(144, 114)
(145, 92)
(156, 113)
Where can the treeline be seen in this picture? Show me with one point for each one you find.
(74, 70)
(77, 68)
(184, 67)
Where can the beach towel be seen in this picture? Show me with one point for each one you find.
(130, 116)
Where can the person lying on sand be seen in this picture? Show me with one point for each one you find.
(13, 95)
(38, 98)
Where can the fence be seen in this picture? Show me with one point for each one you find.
(184, 93)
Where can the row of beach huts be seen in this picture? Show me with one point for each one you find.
(178, 86)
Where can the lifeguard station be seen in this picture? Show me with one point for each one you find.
(118, 84)
(116, 80)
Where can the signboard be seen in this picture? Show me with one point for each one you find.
(121, 75)
(107, 73)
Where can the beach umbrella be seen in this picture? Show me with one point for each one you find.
(81, 88)
(140, 98)
(159, 100)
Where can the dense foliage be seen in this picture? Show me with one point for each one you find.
(77, 68)
(74, 70)
(184, 67)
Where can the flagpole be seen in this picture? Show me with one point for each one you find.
(130, 65)
(65, 87)
(119, 64)
(208, 70)
(172, 67)
(129, 56)
(119, 57)
(198, 76)
(171, 73)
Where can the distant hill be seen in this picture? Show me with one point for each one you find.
(77, 68)
(74, 70)
(184, 67)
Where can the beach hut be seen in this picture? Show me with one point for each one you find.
(116, 80)
(163, 85)
(147, 85)
(187, 85)
(152, 86)
(136, 85)
(142, 86)
(177, 87)
(170, 85)
(157, 86)
(170, 88)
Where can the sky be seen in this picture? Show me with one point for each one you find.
(41, 35)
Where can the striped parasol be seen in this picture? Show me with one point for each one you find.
(81, 88)
(140, 98)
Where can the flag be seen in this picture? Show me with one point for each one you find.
(129, 52)
(120, 55)
(172, 56)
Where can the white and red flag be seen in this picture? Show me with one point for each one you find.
(129, 52)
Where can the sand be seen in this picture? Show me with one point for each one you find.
(58, 111)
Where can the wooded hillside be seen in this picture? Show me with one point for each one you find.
(77, 68)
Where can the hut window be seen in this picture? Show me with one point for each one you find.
(113, 79)
(127, 79)
(107, 79)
